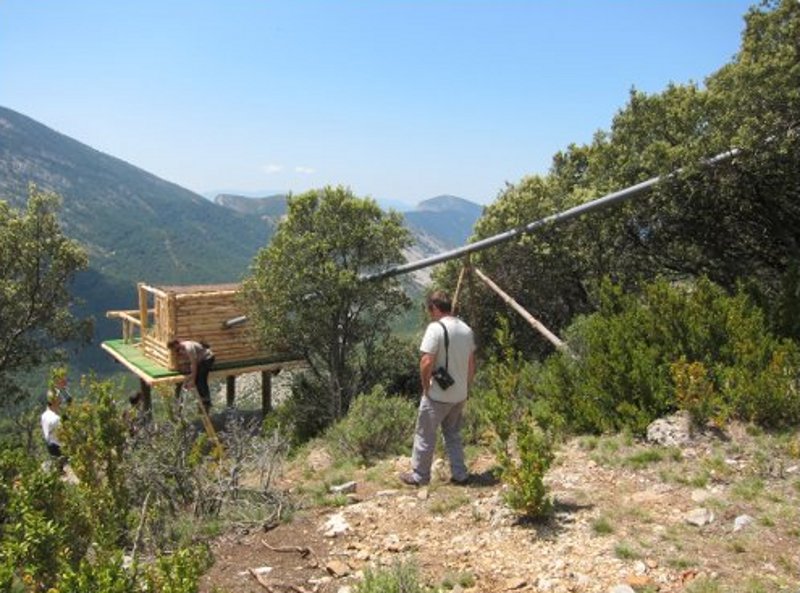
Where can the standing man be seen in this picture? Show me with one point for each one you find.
(201, 360)
(448, 344)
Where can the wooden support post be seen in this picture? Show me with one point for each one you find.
(230, 390)
(464, 269)
(147, 397)
(143, 321)
(538, 325)
(266, 392)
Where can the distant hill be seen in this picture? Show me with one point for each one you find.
(134, 225)
(270, 208)
(437, 224)
(137, 227)
(447, 218)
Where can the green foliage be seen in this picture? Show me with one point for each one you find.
(39, 263)
(524, 475)
(94, 435)
(106, 574)
(523, 443)
(401, 577)
(43, 527)
(71, 536)
(178, 572)
(305, 292)
(689, 346)
(376, 425)
(733, 221)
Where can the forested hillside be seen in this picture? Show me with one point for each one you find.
(137, 227)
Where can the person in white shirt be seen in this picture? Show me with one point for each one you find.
(51, 422)
(448, 345)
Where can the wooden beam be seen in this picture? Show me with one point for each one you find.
(538, 325)
(464, 269)
(230, 390)
(266, 392)
(143, 309)
(147, 396)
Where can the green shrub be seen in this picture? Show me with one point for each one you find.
(106, 574)
(527, 492)
(401, 577)
(674, 346)
(94, 434)
(178, 572)
(523, 427)
(377, 425)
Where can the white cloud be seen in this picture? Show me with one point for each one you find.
(304, 170)
(272, 168)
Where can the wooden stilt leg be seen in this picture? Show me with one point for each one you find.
(230, 390)
(266, 392)
(147, 398)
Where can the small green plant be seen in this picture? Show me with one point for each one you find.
(401, 577)
(704, 585)
(602, 526)
(445, 505)
(465, 580)
(679, 563)
(643, 458)
(749, 489)
(625, 551)
(523, 447)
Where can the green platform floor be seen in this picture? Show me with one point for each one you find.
(130, 355)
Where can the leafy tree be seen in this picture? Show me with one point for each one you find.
(38, 263)
(305, 293)
(733, 221)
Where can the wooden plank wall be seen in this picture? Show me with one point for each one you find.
(200, 317)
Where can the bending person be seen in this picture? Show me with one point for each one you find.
(201, 361)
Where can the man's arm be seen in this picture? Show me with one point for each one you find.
(426, 363)
(190, 382)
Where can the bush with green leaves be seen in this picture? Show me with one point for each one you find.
(94, 435)
(44, 522)
(684, 345)
(524, 429)
(376, 425)
(391, 362)
(401, 577)
(91, 535)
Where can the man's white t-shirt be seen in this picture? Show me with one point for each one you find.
(462, 344)
(50, 423)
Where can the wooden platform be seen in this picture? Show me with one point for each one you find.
(130, 355)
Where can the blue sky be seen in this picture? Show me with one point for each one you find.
(399, 100)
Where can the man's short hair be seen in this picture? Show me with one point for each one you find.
(439, 299)
(173, 344)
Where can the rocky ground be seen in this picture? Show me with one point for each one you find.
(719, 513)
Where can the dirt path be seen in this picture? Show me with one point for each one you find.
(615, 523)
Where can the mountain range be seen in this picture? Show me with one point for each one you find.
(137, 227)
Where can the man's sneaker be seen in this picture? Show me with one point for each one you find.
(409, 479)
(462, 482)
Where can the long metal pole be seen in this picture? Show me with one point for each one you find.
(574, 212)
